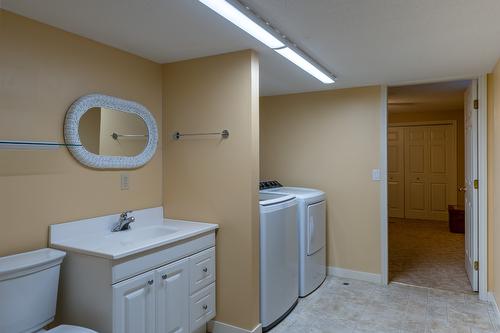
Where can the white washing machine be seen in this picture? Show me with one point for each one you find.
(312, 233)
(279, 268)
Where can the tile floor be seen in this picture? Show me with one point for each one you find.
(362, 307)
(425, 253)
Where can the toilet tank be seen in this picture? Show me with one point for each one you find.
(28, 290)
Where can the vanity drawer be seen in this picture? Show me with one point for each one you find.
(202, 307)
(202, 269)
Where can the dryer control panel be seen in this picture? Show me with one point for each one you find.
(263, 185)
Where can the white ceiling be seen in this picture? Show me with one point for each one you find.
(442, 96)
(363, 42)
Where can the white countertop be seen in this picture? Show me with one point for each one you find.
(151, 230)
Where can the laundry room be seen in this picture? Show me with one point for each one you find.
(330, 141)
(224, 166)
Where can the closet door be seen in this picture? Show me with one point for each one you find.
(416, 161)
(439, 175)
(396, 172)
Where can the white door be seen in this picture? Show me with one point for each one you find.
(471, 194)
(441, 174)
(430, 171)
(172, 298)
(416, 151)
(396, 172)
(134, 305)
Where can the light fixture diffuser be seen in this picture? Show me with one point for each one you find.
(253, 25)
(229, 12)
(307, 66)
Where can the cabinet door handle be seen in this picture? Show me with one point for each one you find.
(164, 276)
(150, 282)
(205, 307)
(205, 269)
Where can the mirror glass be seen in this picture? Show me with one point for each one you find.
(113, 133)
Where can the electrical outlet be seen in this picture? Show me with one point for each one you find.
(124, 182)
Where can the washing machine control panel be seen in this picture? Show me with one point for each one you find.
(269, 184)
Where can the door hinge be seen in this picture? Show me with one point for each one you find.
(476, 104)
(476, 184)
(476, 265)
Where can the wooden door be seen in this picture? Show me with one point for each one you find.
(134, 305)
(396, 172)
(471, 193)
(172, 298)
(416, 160)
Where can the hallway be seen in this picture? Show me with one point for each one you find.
(425, 253)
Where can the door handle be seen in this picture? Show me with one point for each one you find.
(462, 189)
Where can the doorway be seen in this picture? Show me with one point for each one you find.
(430, 151)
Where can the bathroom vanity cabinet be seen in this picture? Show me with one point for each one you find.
(178, 297)
(114, 286)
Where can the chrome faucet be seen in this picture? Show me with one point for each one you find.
(124, 222)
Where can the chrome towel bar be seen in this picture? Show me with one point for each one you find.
(224, 134)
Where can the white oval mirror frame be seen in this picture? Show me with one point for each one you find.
(72, 138)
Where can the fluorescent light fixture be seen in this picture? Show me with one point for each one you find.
(252, 24)
(300, 61)
(239, 19)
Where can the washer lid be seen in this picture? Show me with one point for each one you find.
(267, 199)
(70, 329)
(298, 192)
(29, 262)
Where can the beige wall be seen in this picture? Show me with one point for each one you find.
(216, 180)
(89, 130)
(491, 187)
(458, 116)
(331, 141)
(494, 166)
(43, 70)
(113, 121)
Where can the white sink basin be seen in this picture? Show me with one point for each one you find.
(94, 236)
(140, 235)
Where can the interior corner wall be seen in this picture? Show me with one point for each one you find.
(331, 141)
(491, 177)
(43, 71)
(458, 116)
(494, 166)
(216, 180)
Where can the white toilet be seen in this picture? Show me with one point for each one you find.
(28, 292)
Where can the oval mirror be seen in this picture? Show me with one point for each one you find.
(108, 132)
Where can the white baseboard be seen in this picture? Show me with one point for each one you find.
(220, 327)
(493, 301)
(355, 275)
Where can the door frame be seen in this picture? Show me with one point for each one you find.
(482, 176)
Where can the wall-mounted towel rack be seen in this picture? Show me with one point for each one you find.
(32, 145)
(116, 136)
(224, 134)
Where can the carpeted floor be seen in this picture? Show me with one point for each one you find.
(425, 253)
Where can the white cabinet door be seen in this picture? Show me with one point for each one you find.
(134, 305)
(172, 298)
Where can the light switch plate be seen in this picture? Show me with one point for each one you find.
(376, 174)
(124, 182)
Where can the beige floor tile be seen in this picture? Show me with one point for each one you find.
(396, 308)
